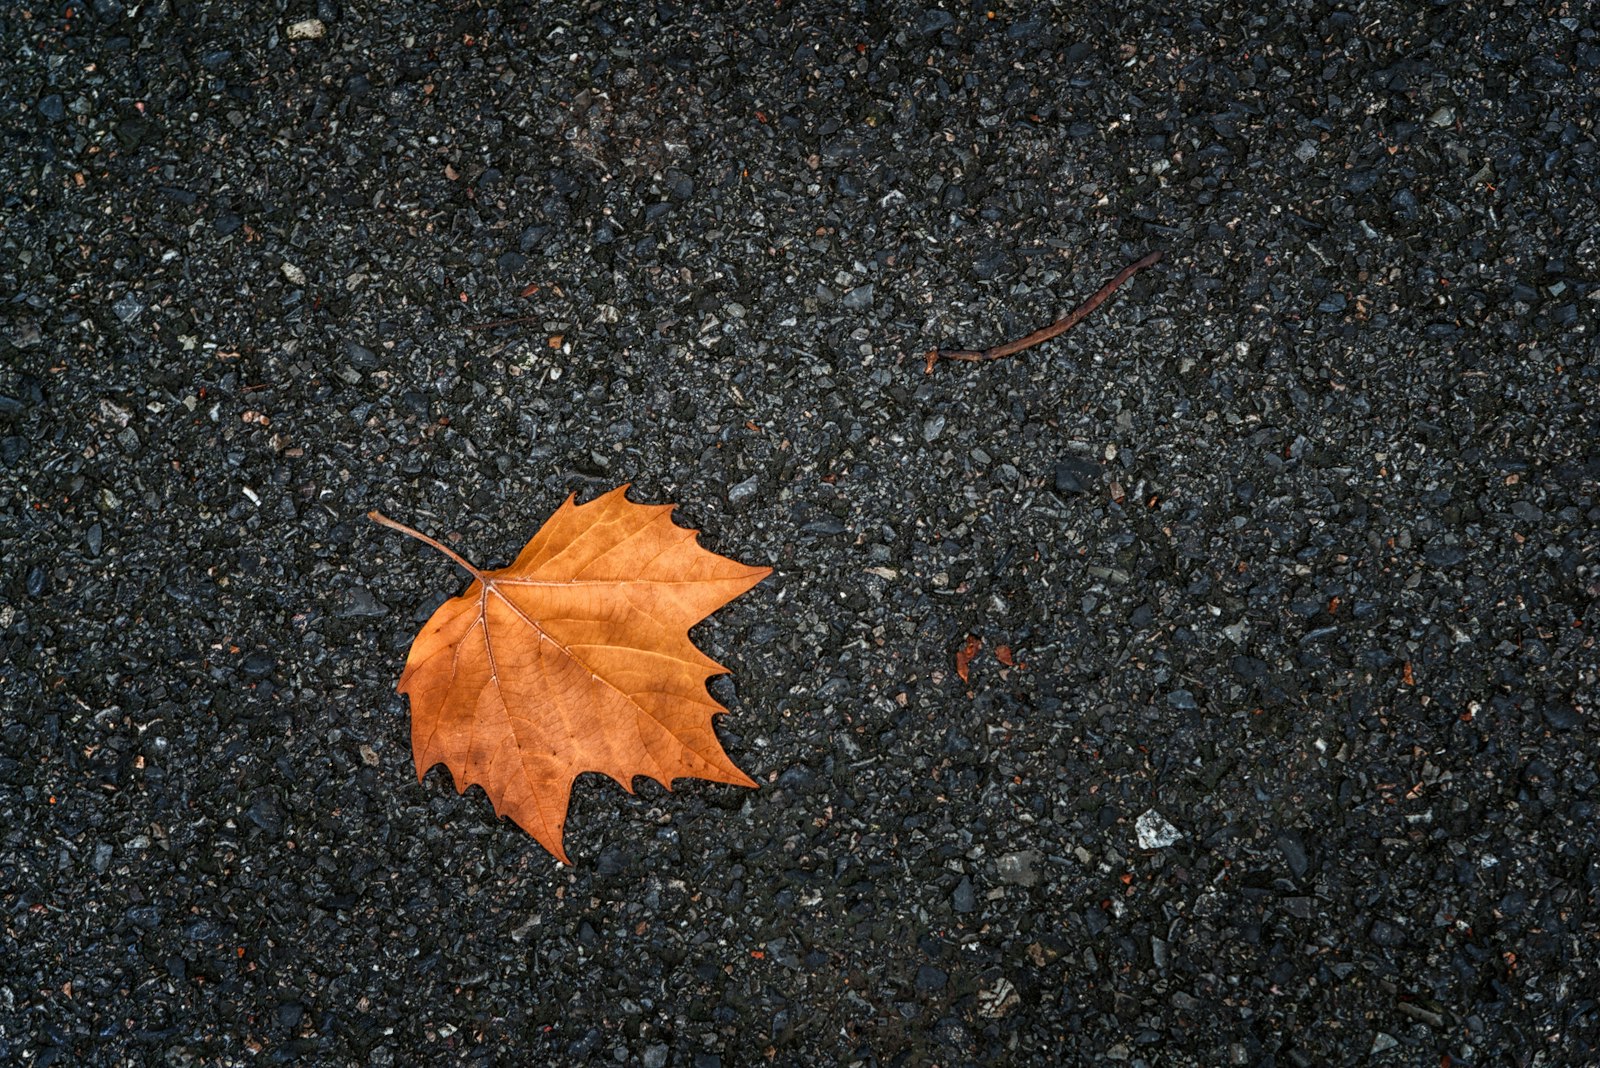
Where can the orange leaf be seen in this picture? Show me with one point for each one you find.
(575, 658)
(965, 654)
(1002, 653)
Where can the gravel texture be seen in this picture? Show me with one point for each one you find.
(1281, 745)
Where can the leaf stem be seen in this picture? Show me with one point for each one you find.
(383, 520)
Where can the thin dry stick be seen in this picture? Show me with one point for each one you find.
(1055, 329)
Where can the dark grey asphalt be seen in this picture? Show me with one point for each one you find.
(1292, 546)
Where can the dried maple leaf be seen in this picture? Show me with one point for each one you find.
(575, 658)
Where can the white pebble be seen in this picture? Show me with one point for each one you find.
(1154, 831)
(306, 30)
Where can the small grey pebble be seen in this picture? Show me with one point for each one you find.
(858, 299)
(1384, 933)
(1294, 853)
(1017, 868)
(128, 308)
(361, 602)
(740, 493)
(1562, 717)
(360, 357)
(963, 899)
(1074, 475)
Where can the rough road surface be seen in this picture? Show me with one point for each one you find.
(1280, 745)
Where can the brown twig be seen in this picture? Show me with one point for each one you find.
(1055, 329)
(527, 291)
(495, 324)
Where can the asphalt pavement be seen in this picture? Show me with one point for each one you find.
(1274, 582)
